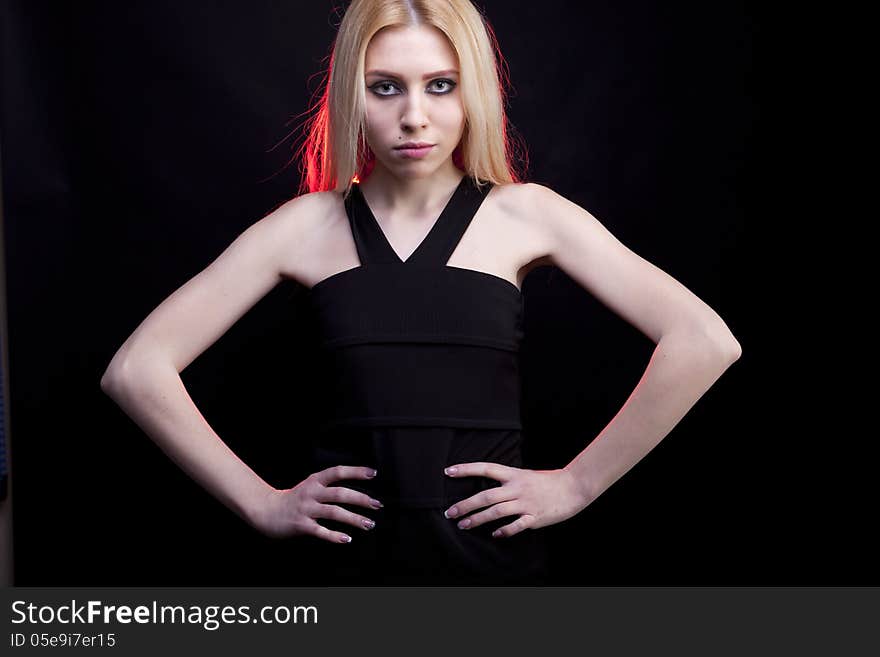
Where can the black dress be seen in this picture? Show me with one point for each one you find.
(422, 364)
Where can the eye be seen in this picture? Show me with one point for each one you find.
(380, 85)
(448, 86)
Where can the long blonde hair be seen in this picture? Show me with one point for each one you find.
(335, 152)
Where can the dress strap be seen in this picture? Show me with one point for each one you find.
(373, 246)
(441, 242)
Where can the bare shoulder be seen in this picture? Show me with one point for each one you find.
(521, 204)
(307, 222)
(532, 201)
(552, 216)
(302, 214)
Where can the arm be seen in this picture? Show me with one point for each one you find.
(151, 392)
(144, 375)
(694, 345)
(680, 371)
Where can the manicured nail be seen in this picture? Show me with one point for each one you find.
(376, 503)
(346, 538)
(369, 524)
(464, 523)
(451, 513)
(374, 473)
(451, 471)
(496, 533)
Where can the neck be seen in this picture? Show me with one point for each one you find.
(409, 198)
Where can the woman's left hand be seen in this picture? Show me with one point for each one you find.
(538, 497)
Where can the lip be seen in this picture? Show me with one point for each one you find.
(414, 152)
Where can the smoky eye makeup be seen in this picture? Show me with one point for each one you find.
(441, 86)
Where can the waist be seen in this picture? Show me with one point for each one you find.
(410, 462)
(379, 384)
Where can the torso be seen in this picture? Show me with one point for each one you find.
(502, 239)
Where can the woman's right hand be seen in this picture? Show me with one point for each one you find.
(293, 512)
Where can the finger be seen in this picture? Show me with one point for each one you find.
(338, 472)
(333, 512)
(344, 495)
(479, 500)
(520, 524)
(481, 469)
(492, 513)
(327, 535)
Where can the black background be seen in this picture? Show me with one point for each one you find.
(140, 138)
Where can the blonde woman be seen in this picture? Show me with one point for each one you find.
(414, 234)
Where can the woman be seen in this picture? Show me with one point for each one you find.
(414, 237)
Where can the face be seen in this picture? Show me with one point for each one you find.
(412, 95)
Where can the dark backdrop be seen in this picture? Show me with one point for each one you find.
(140, 138)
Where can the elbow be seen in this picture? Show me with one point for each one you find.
(129, 367)
(729, 347)
(110, 381)
(718, 343)
(115, 373)
(736, 351)
(723, 340)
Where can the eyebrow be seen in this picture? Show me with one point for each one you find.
(390, 74)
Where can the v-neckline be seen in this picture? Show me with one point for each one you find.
(432, 233)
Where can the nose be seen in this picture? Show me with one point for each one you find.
(414, 112)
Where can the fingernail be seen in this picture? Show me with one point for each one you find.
(451, 513)
(451, 470)
(375, 503)
(374, 473)
(369, 524)
(346, 538)
(464, 523)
